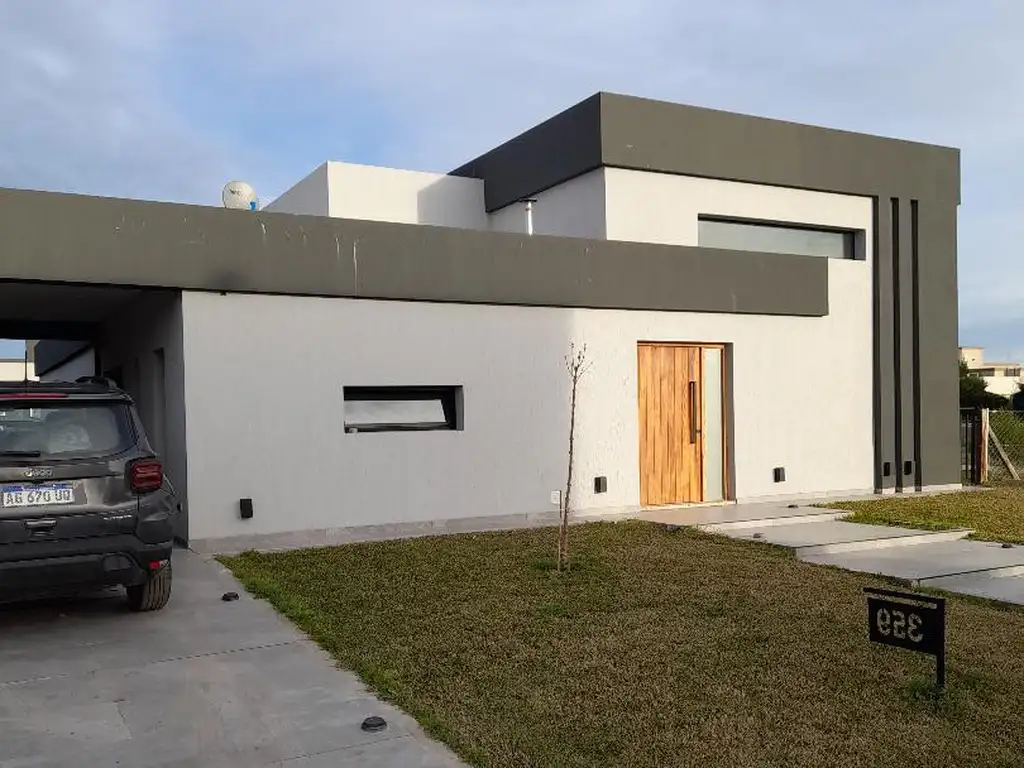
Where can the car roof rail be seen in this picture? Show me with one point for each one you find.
(102, 381)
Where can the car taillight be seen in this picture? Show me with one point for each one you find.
(145, 475)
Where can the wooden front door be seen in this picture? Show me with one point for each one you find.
(671, 420)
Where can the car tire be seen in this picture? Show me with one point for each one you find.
(152, 594)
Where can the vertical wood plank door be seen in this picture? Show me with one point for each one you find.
(671, 424)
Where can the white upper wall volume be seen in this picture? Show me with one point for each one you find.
(370, 193)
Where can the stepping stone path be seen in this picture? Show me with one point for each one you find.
(940, 559)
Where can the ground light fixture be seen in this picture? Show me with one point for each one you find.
(374, 724)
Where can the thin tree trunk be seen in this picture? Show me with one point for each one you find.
(563, 533)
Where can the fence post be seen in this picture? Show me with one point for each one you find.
(983, 446)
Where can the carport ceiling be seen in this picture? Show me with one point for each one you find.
(57, 310)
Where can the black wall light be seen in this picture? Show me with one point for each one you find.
(245, 508)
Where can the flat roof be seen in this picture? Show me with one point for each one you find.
(101, 250)
(617, 131)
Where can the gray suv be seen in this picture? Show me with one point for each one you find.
(83, 497)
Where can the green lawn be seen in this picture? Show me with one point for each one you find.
(659, 649)
(995, 514)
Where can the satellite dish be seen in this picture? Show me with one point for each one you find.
(240, 196)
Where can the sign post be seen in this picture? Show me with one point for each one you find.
(914, 622)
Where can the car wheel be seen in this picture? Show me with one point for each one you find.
(153, 594)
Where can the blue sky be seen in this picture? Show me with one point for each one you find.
(167, 100)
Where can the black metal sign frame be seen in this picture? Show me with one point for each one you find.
(909, 621)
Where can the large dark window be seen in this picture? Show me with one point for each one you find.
(770, 237)
(395, 409)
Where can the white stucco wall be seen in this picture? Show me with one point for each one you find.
(575, 208)
(373, 193)
(664, 208)
(282, 424)
(133, 340)
(409, 197)
(305, 473)
(309, 196)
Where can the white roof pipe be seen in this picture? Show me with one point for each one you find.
(529, 203)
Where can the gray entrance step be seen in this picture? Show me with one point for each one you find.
(922, 562)
(825, 537)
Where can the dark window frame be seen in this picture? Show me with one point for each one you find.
(854, 248)
(449, 396)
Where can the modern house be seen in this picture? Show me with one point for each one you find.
(1000, 378)
(419, 325)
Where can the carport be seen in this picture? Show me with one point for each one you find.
(77, 275)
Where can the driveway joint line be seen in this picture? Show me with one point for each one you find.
(243, 649)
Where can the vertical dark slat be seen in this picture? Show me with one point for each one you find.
(905, 330)
(882, 277)
(897, 343)
(915, 279)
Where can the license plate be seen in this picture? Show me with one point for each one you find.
(37, 495)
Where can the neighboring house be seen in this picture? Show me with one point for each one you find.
(381, 352)
(1000, 378)
(14, 369)
(68, 362)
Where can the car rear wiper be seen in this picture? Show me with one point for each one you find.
(22, 454)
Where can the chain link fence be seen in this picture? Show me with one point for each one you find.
(1005, 454)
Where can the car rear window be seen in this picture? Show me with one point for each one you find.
(68, 430)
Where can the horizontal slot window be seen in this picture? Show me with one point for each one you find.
(769, 237)
(402, 409)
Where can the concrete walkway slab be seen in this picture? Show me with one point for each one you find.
(738, 516)
(201, 683)
(920, 562)
(816, 538)
(1008, 589)
(941, 559)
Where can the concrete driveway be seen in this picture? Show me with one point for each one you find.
(201, 683)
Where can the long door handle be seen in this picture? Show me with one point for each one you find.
(694, 431)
